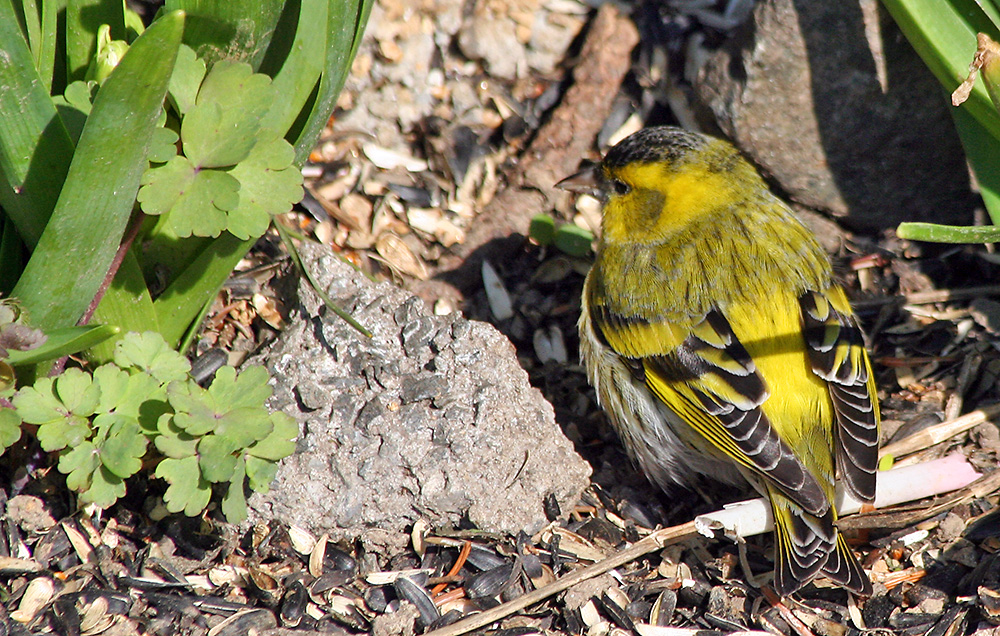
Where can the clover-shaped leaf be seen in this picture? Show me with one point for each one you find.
(149, 352)
(216, 458)
(163, 145)
(188, 490)
(269, 185)
(197, 200)
(173, 441)
(244, 426)
(79, 464)
(260, 473)
(189, 71)
(234, 504)
(86, 475)
(280, 443)
(74, 106)
(60, 407)
(123, 445)
(105, 488)
(250, 389)
(10, 428)
(77, 391)
(220, 131)
(194, 412)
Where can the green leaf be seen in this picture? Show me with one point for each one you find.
(216, 458)
(250, 389)
(56, 435)
(220, 29)
(164, 146)
(934, 233)
(149, 352)
(573, 240)
(113, 382)
(10, 428)
(269, 185)
(83, 22)
(220, 131)
(189, 71)
(174, 442)
(79, 464)
(280, 443)
(77, 391)
(196, 200)
(105, 489)
(64, 342)
(74, 105)
(194, 414)
(944, 35)
(38, 404)
(234, 504)
(197, 285)
(346, 21)
(295, 61)
(35, 148)
(542, 229)
(122, 450)
(260, 473)
(188, 491)
(71, 260)
(126, 305)
(982, 150)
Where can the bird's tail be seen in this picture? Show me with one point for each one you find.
(806, 546)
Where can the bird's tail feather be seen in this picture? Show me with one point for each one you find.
(806, 546)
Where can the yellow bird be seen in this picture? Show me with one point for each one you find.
(719, 344)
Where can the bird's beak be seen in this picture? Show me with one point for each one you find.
(586, 181)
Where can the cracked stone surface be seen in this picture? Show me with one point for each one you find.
(430, 418)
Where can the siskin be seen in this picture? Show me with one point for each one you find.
(719, 344)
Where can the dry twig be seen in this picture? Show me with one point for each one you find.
(651, 543)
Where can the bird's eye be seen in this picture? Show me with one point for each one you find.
(620, 187)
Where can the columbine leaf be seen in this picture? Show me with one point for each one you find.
(269, 185)
(234, 504)
(79, 464)
(216, 459)
(244, 426)
(149, 352)
(77, 391)
(70, 431)
(164, 145)
(105, 488)
(10, 428)
(194, 412)
(188, 491)
(189, 71)
(38, 404)
(137, 395)
(220, 131)
(123, 447)
(59, 426)
(260, 473)
(196, 199)
(280, 443)
(172, 441)
(74, 106)
(250, 389)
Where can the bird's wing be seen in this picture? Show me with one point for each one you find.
(837, 354)
(710, 382)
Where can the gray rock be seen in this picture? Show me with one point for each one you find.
(831, 100)
(431, 418)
